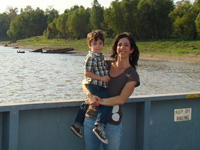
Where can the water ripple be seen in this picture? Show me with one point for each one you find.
(51, 77)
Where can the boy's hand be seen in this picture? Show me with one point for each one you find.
(105, 78)
(92, 100)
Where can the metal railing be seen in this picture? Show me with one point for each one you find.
(159, 122)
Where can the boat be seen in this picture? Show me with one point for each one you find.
(59, 50)
(20, 51)
(37, 50)
(53, 50)
(156, 122)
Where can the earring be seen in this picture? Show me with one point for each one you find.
(130, 56)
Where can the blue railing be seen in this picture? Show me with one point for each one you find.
(162, 122)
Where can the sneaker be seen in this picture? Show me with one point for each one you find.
(101, 135)
(76, 131)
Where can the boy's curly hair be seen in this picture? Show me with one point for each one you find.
(95, 35)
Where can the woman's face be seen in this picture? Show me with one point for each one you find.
(124, 48)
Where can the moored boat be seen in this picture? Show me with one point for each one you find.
(20, 51)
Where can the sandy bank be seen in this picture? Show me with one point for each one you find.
(189, 58)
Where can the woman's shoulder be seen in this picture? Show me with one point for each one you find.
(132, 75)
(131, 69)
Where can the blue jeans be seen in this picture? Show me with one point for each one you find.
(113, 133)
(104, 112)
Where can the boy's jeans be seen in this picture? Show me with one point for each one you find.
(104, 112)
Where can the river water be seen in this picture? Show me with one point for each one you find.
(30, 77)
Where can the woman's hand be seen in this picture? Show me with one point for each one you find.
(105, 78)
(92, 100)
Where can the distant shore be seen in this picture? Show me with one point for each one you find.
(189, 58)
(186, 58)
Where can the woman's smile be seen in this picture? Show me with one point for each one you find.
(123, 47)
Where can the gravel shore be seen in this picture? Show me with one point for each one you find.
(189, 58)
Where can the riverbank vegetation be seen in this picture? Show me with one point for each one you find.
(173, 47)
(147, 20)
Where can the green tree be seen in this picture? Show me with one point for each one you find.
(96, 17)
(4, 24)
(113, 17)
(52, 31)
(51, 14)
(78, 22)
(183, 18)
(5, 21)
(12, 12)
(153, 18)
(27, 24)
(28, 8)
(61, 25)
(196, 6)
(197, 22)
(130, 15)
(13, 31)
(106, 24)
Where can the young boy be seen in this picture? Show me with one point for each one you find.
(96, 78)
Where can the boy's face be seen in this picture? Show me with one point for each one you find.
(96, 46)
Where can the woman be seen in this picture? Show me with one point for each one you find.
(123, 80)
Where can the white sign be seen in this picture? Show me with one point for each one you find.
(184, 114)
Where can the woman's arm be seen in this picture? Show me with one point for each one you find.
(85, 90)
(91, 99)
(120, 99)
(96, 77)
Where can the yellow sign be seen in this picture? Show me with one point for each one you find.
(192, 95)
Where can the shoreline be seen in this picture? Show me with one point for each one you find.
(186, 58)
(189, 58)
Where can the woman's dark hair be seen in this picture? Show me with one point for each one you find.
(133, 59)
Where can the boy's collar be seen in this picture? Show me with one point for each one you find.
(97, 54)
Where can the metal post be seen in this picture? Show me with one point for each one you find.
(13, 129)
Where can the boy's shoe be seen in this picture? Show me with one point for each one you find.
(76, 131)
(101, 135)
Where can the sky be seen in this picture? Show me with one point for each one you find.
(59, 5)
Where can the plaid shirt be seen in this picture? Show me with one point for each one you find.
(95, 63)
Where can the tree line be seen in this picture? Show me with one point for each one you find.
(146, 19)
